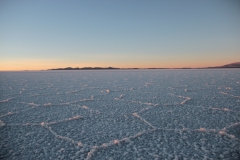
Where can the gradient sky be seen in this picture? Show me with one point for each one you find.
(43, 34)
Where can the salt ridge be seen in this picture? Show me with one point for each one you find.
(219, 132)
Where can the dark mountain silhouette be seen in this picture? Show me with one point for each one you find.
(84, 68)
(231, 65)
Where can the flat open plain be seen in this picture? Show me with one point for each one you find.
(123, 114)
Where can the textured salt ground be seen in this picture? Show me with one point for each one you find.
(27, 142)
(153, 97)
(99, 129)
(188, 116)
(13, 107)
(163, 144)
(45, 114)
(113, 107)
(204, 97)
(54, 98)
(234, 129)
(120, 115)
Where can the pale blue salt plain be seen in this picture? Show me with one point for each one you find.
(120, 114)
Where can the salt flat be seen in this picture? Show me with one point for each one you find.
(123, 114)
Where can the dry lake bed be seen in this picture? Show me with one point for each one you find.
(123, 114)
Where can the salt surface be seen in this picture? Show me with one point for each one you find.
(141, 114)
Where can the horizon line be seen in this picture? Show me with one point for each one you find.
(229, 65)
(80, 69)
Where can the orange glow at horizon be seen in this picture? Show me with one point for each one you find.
(19, 65)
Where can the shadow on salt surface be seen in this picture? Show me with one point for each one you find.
(187, 116)
(162, 144)
(26, 142)
(45, 114)
(100, 128)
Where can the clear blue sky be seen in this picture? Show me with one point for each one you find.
(44, 34)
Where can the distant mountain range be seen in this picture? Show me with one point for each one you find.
(231, 65)
(84, 68)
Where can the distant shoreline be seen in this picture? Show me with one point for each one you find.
(104, 69)
(231, 65)
(74, 69)
(235, 65)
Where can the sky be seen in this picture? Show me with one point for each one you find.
(43, 34)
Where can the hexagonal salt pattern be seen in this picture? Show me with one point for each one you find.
(172, 144)
(120, 114)
(27, 142)
(99, 129)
